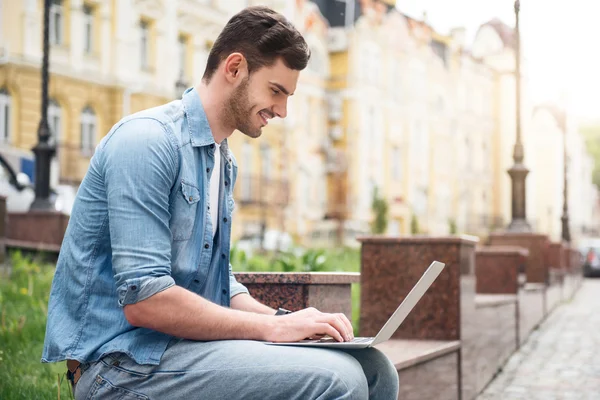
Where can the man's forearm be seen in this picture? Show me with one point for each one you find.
(245, 302)
(179, 312)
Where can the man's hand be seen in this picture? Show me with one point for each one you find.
(310, 323)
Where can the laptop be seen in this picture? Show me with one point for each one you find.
(390, 326)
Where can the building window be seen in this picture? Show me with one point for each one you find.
(396, 164)
(265, 151)
(247, 165)
(182, 55)
(54, 122)
(144, 45)
(5, 107)
(88, 29)
(88, 131)
(57, 22)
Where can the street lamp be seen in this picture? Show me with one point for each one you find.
(518, 172)
(566, 234)
(44, 150)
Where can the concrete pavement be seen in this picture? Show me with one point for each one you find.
(561, 359)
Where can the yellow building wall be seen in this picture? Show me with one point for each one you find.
(12, 11)
(24, 85)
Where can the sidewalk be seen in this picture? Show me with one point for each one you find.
(560, 360)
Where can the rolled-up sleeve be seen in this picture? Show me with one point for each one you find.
(140, 167)
(235, 287)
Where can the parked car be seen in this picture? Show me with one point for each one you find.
(20, 194)
(590, 250)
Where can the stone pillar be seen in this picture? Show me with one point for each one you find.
(37, 230)
(497, 269)
(326, 291)
(390, 269)
(536, 269)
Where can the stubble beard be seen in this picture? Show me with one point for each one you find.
(239, 111)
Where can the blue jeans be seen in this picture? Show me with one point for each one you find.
(241, 369)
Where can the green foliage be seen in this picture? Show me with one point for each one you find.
(297, 260)
(414, 225)
(380, 210)
(452, 226)
(23, 310)
(592, 137)
(355, 290)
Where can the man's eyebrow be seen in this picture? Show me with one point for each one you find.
(280, 87)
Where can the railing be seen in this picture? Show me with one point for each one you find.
(261, 191)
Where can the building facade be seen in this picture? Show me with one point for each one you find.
(387, 105)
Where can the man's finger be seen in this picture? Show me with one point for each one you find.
(337, 323)
(348, 325)
(328, 329)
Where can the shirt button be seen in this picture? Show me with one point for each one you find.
(226, 183)
(223, 256)
(207, 169)
(212, 146)
(206, 246)
(196, 281)
(134, 287)
(224, 291)
(208, 207)
(224, 219)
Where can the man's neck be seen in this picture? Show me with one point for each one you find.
(213, 102)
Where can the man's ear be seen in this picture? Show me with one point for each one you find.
(236, 67)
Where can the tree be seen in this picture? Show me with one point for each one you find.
(414, 225)
(380, 209)
(452, 226)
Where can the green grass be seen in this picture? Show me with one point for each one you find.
(23, 309)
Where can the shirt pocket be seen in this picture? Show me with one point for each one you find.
(184, 209)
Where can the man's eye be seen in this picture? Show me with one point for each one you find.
(275, 91)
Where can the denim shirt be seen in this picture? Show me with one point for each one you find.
(141, 224)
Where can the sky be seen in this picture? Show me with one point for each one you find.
(560, 39)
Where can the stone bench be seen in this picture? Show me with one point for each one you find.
(497, 269)
(427, 369)
(36, 230)
(326, 291)
(494, 335)
(532, 298)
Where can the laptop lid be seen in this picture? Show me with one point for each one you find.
(409, 302)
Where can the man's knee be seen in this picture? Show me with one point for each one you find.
(381, 374)
(340, 376)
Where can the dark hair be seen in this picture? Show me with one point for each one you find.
(262, 36)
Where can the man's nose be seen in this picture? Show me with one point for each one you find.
(280, 109)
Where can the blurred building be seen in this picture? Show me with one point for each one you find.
(495, 46)
(552, 130)
(105, 62)
(475, 128)
(386, 103)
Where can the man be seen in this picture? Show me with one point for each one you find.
(144, 304)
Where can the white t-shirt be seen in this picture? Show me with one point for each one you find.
(215, 182)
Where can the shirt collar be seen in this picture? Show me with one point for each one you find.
(200, 132)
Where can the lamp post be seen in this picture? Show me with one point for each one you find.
(44, 150)
(518, 172)
(566, 234)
